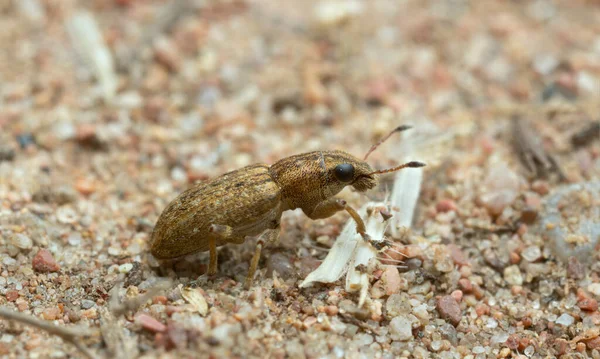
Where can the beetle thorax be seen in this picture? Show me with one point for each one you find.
(303, 180)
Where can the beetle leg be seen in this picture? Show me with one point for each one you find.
(360, 224)
(327, 208)
(271, 235)
(331, 206)
(217, 231)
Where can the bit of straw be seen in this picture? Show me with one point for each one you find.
(70, 335)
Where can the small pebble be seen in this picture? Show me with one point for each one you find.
(502, 188)
(7, 154)
(85, 187)
(87, 304)
(309, 322)
(66, 215)
(51, 313)
(512, 275)
(125, 268)
(446, 205)
(280, 263)
(478, 350)
(593, 344)
(529, 215)
(401, 328)
(465, 285)
(396, 305)
(177, 335)
(22, 241)
(391, 280)
(449, 309)
(532, 253)
(91, 313)
(331, 310)
(565, 319)
(458, 256)
(457, 295)
(594, 288)
(44, 262)
(588, 304)
(25, 140)
(12, 295)
(149, 323)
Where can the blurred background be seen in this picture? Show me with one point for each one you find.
(110, 108)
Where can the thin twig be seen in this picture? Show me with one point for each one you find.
(587, 134)
(68, 334)
(531, 150)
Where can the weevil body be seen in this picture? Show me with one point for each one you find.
(250, 201)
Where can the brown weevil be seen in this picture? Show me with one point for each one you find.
(249, 201)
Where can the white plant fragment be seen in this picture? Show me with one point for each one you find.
(89, 44)
(336, 263)
(365, 253)
(349, 252)
(405, 193)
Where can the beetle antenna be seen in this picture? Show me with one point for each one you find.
(397, 129)
(411, 164)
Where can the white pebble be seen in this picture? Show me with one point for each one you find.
(178, 174)
(125, 268)
(491, 323)
(544, 64)
(499, 338)
(513, 276)
(8, 261)
(335, 12)
(401, 328)
(436, 345)
(529, 351)
(532, 253)
(74, 239)
(478, 350)
(66, 215)
(586, 82)
(421, 312)
(594, 288)
(22, 241)
(565, 320)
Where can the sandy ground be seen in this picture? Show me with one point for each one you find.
(110, 108)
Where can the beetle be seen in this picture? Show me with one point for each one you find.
(250, 200)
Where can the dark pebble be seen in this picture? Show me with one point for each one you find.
(25, 140)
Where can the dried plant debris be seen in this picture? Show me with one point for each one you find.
(72, 335)
(167, 16)
(587, 134)
(530, 149)
(90, 46)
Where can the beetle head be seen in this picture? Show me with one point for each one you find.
(343, 170)
(346, 169)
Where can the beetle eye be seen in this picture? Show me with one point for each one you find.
(344, 172)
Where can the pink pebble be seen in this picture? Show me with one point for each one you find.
(149, 323)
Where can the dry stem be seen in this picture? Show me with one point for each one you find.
(69, 334)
